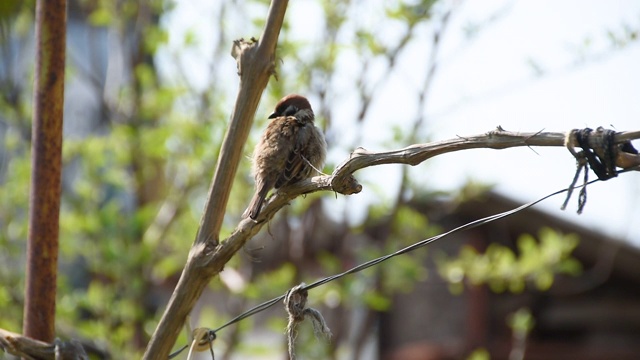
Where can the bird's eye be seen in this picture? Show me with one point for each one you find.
(290, 111)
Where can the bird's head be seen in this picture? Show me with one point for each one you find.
(293, 105)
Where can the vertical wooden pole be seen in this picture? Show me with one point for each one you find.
(46, 159)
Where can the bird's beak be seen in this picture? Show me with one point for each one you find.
(273, 115)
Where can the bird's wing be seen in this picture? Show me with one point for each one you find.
(295, 168)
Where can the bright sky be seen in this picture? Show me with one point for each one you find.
(490, 82)
(493, 84)
(597, 94)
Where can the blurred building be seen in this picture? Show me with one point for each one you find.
(592, 316)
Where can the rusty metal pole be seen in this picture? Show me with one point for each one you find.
(46, 163)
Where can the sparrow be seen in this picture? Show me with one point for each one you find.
(291, 149)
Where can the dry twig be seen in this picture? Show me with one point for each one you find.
(28, 348)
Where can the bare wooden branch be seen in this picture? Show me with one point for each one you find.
(46, 163)
(29, 348)
(496, 139)
(255, 61)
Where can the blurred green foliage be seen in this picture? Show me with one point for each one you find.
(505, 269)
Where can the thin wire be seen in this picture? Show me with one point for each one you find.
(267, 304)
(177, 352)
(252, 311)
(407, 249)
(425, 242)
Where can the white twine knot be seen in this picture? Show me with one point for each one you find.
(295, 302)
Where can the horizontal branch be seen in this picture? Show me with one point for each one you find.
(496, 139)
(29, 348)
(342, 180)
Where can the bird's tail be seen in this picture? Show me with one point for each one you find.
(256, 204)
